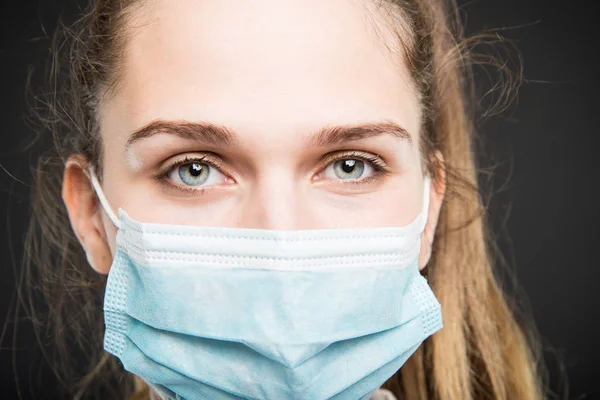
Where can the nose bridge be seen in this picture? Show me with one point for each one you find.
(274, 201)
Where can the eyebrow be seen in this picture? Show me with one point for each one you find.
(220, 135)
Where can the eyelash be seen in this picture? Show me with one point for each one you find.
(379, 166)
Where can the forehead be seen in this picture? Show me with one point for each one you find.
(262, 65)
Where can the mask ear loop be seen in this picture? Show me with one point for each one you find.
(426, 198)
(102, 198)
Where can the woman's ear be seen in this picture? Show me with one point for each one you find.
(436, 198)
(86, 219)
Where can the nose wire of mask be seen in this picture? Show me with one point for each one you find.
(236, 313)
(103, 201)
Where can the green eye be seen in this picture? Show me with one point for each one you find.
(349, 168)
(194, 174)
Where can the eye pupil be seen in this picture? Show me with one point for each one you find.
(195, 169)
(348, 166)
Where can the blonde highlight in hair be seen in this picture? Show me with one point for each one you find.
(481, 353)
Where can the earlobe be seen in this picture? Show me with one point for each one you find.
(437, 193)
(82, 208)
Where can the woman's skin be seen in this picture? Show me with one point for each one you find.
(271, 74)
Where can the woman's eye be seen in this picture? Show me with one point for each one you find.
(350, 169)
(196, 174)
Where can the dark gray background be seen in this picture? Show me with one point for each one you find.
(545, 208)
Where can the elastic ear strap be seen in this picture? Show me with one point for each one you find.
(103, 200)
(426, 195)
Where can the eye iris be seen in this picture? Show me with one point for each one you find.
(349, 168)
(193, 174)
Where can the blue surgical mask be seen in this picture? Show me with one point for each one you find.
(232, 313)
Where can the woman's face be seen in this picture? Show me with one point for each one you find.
(279, 115)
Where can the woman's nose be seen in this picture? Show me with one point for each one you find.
(276, 202)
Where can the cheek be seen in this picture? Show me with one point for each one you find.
(395, 205)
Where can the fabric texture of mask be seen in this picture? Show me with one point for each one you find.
(234, 313)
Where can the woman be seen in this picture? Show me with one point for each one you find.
(265, 186)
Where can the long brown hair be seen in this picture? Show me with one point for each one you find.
(481, 353)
